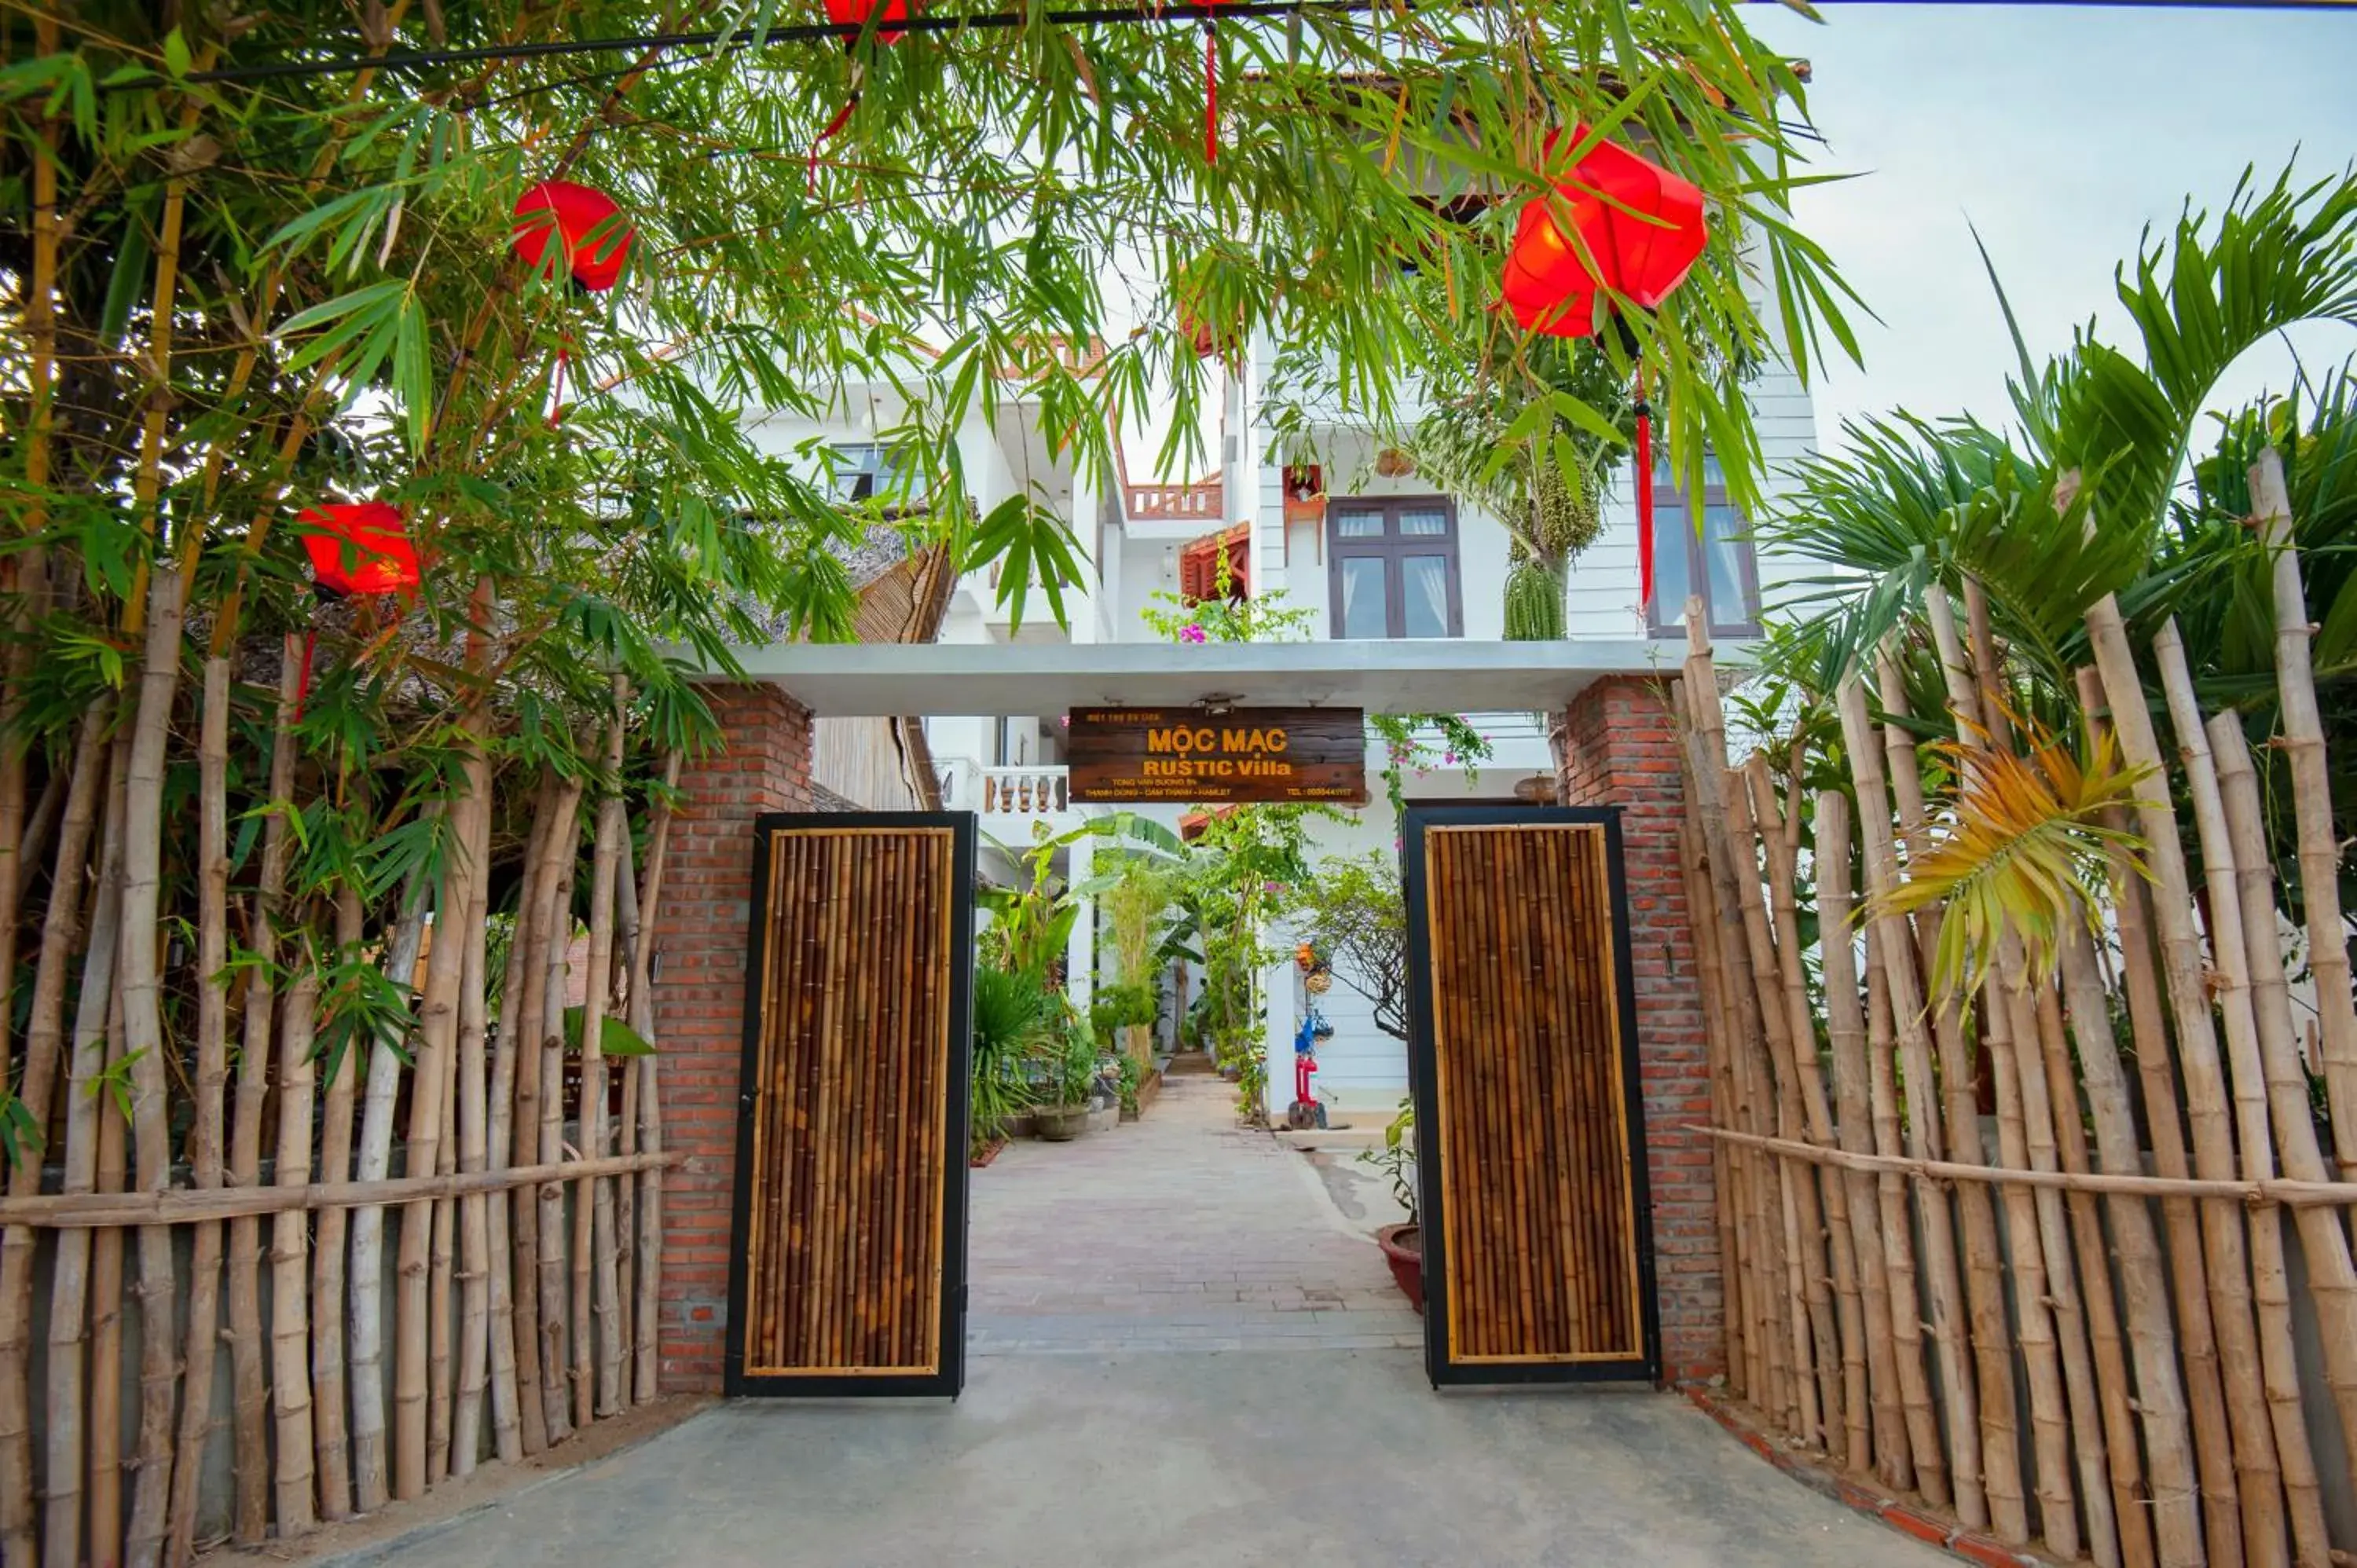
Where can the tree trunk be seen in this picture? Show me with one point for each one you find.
(520, 1005)
(555, 1361)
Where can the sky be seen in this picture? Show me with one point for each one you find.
(2060, 133)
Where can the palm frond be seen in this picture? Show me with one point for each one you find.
(2022, 851)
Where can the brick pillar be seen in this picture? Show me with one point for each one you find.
(1621, 749)
(701, 939)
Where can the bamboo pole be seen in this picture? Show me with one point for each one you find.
(2278, 1192)
(443, 1250)
(650, 1108)
(249, 1403)
(2229, 985)
(509, 1404)
(70, 1283)
(2144, 1281)
(597, 1388)
(473, 1157)
(106, 1317)
(1774, 1384)
(626, 937)
(2302, 742)
(437, 1022)
(2087, 1320)
(524, 1035)
(2258, 1476)
(1816, 1355)
(1845, 1034)
(369, 1409)
(144, 1047)
(1907, 1307)
(1732, 1252)
(2204, 1384)
(44, 1046)
(205, 1138)
(2332, 1282)
(1984, 1260)
(1781, 850)
(290, 1327)
(2046, 1305)
(331, 1424)
(1894, 951)
(186, 1205)
(554, 1297)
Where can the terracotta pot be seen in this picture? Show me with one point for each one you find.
(1403, 1250)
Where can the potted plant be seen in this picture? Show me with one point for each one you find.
(1011, 1015)
(1063, 1113)
(1401, 1245)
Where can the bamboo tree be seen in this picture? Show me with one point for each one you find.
(369, 1408)
(213, 1073)
(555, 1361)
(249, 1426)
(290, 1328)
(330, 1423)
(519, 1014)
(593, 1225)
(650, 1108)
(87, 1279)
(474, 1333)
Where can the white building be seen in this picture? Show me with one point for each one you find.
(1383, 557)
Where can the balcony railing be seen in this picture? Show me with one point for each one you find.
(1200, 501)
(1005, 796)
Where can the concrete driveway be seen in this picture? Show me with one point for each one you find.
(1184, 1350)
(1174, 1460)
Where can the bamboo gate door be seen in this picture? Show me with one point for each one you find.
(848, 1272)
(1538, 1261)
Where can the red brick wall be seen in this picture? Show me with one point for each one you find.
(1621, 749)
(700, 936)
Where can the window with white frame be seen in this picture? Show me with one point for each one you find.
(1392, 567)
(1702, 545)
(861, 472)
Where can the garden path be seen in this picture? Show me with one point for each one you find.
(1178, 1232)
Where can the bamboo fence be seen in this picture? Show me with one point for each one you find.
(405, 1255)
(2083, 1330)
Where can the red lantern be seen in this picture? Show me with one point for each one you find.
(1642, 229)
(558, 211)
(1552, 289)
(360, 548)
(854, 14)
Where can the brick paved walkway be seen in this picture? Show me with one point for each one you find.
(1181, 1232)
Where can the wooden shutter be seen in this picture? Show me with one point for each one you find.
(1537, 1256)
(849, 1272)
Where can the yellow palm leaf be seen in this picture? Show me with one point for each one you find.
(2022, 849)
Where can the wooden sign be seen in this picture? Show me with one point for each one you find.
(1126, 755)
